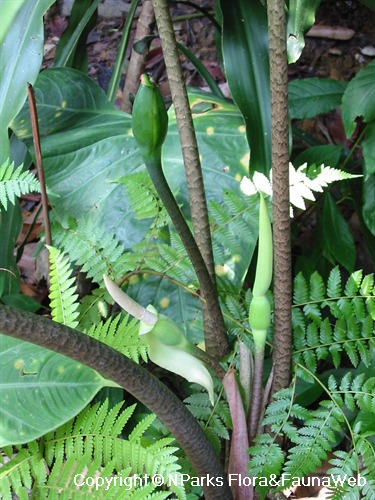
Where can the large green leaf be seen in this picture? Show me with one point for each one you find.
(369, 3)
(246, 62)
(8, 11)
(40, 390)
(359, 98)
(21, 41)
(224, 154)
(312, 96)
(338, 241)
(368, 209)
(328, 155)
(21, 57)
(87, 144)
(301, 17)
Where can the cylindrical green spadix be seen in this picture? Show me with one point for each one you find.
(149, 120)
(263, 275)
(260, 310)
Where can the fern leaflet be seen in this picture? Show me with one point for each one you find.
(64, 300)
(14, 183)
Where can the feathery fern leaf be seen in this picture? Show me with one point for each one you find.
(313, 434)
(122, 335)
(215, 422)
(327, 324)
(89, 447)
(14, 183)
(302, 183)
(93, 248)
(64, 300)
(144, 199)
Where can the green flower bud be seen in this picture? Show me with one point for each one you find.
(150, 120)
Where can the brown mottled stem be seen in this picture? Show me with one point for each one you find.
(280, 177)
(215, 332)
(132, 377)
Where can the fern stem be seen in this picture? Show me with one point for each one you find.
(133, 378)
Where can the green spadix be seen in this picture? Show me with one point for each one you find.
(167, 346)
(260, 310)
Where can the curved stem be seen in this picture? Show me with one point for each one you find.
(215, 338)
(133, 378)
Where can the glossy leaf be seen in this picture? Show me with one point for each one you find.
(246, 62)
(36, 384)
(359, 98)
(71, 51)
(9, 11)
(87, 144)
(368, 147)
(21, 57)
(368, 210)
(301, 17)
(224, 155)
(338, 241)
(328, 155)
(312, 96)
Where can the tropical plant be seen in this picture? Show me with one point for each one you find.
(108, 218)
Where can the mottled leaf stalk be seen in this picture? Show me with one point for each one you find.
(280, 185)
(215, 331)
(133, 378)
(150, 124)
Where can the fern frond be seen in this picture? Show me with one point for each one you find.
(302, 184)
(96, 250)
(215, 422)
(144, 199)
(89, 446)
(63, 299)
(122, 335)
(328, 324)
(14, 183)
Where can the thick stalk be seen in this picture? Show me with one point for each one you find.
(280, 177)
(132, 377)
(215, 347)
(257, 394)
(215, 337)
